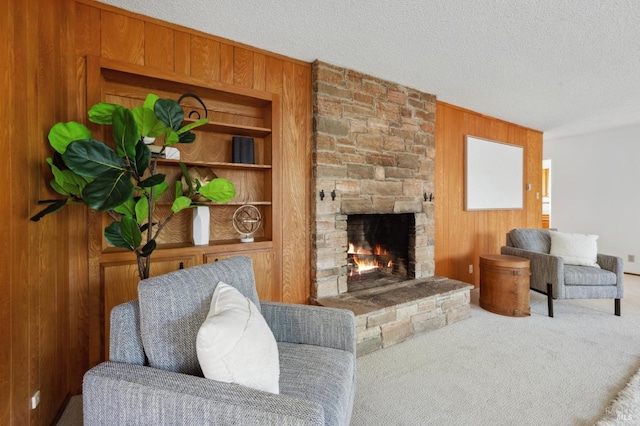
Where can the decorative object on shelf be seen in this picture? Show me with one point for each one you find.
(124, 181)
(200, 228)
(161, 151)
(246, 221)
(200, 176)
(242, 150)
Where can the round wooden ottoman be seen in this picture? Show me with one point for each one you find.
(504, 284)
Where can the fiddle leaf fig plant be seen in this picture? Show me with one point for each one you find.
(123, 181)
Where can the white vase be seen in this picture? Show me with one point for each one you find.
(201, 225)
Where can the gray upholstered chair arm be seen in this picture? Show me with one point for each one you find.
(125, 342)
(313, 325)
(544, 269)
(117, 394)
(615, 265)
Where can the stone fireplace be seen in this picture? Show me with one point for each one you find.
(373, 174)
(373, 154)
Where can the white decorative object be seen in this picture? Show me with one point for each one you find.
(235, 344)
(201, 225)
(246, 222)
(148, 140)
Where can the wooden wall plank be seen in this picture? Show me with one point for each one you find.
(476, 232)
(226, 63)
(122, 38)
(273, 81)
(296, 177)
(9, 124)
(242, 67)
(259, 71)
(182, 52)
(86, 24)
(205, 58)
(159, 47)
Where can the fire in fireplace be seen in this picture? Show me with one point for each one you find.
(378, 249)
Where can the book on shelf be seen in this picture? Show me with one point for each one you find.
(242, 150)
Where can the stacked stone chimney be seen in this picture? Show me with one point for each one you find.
(373, 152)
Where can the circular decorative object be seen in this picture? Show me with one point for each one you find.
(246, 221)
(203, 175)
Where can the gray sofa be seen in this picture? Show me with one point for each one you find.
(551, 276)
(316, 348)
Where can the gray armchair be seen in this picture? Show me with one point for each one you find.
(551, 276)
(153, 376)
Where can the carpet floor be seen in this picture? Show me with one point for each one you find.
(497, 370)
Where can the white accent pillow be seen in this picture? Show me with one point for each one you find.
(575, 249)
(235, 344)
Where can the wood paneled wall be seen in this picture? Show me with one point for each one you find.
(34, 290)
(462, 236)
(111, 33)
(44, 293)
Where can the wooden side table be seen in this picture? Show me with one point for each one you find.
(504, 284)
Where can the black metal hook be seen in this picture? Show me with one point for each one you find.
(197, 98)
(321, 194)
(333, 195)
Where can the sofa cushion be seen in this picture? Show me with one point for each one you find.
(575, 249)
(235, 344)
(174, 306)
(321, 375)
(587, 275)
(531, 239)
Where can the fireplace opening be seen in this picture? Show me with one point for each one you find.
(378, 250)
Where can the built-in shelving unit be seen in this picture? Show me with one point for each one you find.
(232, 111)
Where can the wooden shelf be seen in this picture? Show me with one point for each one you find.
(233, 129)
(214, 204)
(227, 245)
(219, 165)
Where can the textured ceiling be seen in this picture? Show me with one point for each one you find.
(560, 66)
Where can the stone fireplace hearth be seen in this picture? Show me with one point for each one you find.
(373, 154)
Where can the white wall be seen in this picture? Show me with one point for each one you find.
(596, 188)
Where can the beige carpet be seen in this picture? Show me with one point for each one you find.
(496, 370)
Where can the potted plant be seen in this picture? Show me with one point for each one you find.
(123, 181)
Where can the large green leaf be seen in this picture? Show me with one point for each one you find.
(102, 112)
(66, 182)
(91, 158)
(170, 113)
(181, 203)
(159, 189)
(186, 137)
(148, 248)
(109, 190)
(130, 232)
(142, 210)
(142, 158)
(171, 137)
(128, 208)
(51, 208)
(62, 134)
(147, 122)
(195, 124)
(152, 181)
(125, 132)
(150, 101)
(219, 190)
(113, 235)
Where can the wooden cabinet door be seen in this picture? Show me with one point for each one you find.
(119, 282)
(262, 270)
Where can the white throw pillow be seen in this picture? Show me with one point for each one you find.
(575, 249)
(235, 344)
